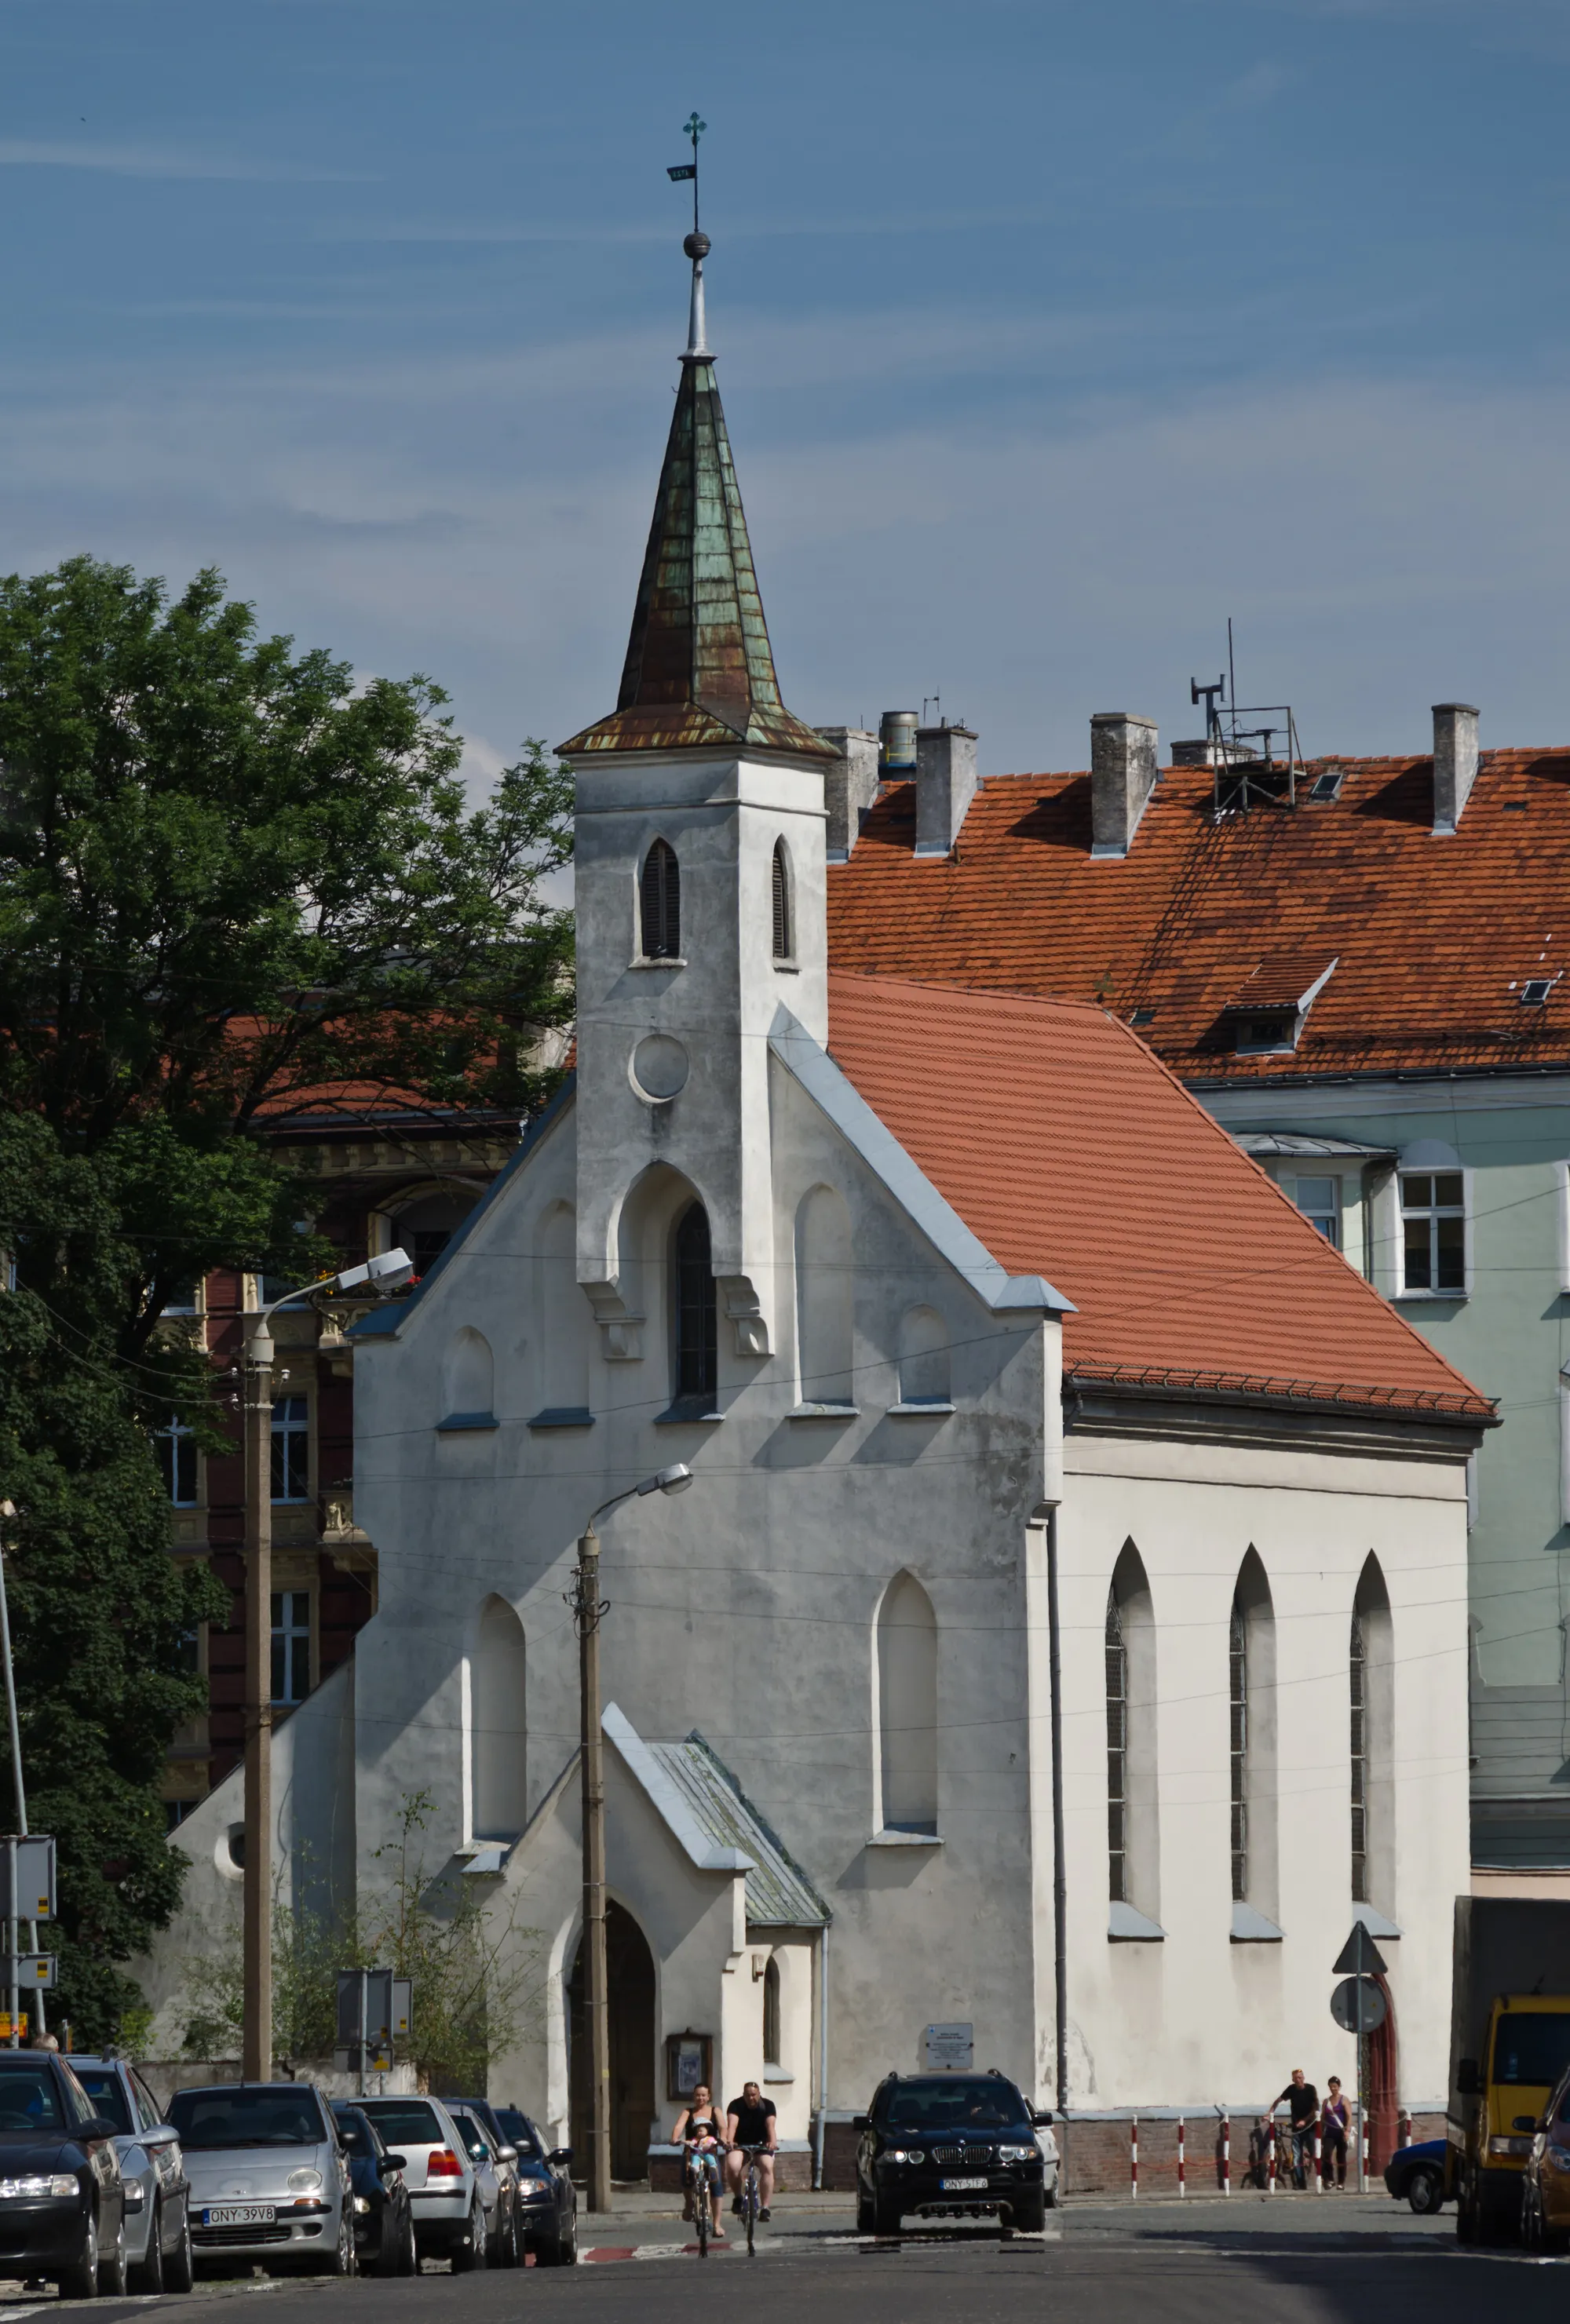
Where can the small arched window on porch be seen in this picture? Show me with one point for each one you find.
(659, 904)
(697, 1312)
(784, 941)
(771, 2013)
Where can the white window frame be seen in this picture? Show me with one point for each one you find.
(280, 1404)
(289, 1631)
(1433, 1170)
(174, 1433)
(1330, 1178)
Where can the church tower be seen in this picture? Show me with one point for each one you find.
(700, 888)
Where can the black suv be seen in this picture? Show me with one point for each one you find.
(950, 2146)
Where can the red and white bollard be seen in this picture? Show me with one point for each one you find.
(1319, 2163)
(1404, 2127)
(1182, 2165)
(1365, 2150)
(1270, 2126)
(1133, 2158)
(1226, 2154)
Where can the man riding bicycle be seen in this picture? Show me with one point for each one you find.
(697, 2132)
(750, 2121)
(1303, 2099)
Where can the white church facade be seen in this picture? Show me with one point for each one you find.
(932, 1290)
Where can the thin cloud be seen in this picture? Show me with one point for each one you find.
(166, 161)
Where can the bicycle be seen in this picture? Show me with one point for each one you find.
(700, 2180)
(751, 2194)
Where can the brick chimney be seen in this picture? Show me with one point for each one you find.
(1455, 763)
(945, 781)
(850, 785)
(1123, 775)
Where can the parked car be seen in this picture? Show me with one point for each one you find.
(547, 2197)
(1545, 2182)
(455, 2195)
(383, 2217)
(473, 2116)
(951, 2146)
(155, 2188)
(1417, 2174)
(269, 2179)
(62, 2213)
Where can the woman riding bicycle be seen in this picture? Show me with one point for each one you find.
(698, 2130)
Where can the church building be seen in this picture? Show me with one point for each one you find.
(939, 1292)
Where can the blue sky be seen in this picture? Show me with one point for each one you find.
(1051, 332)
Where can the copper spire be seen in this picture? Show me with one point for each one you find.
(699, 671)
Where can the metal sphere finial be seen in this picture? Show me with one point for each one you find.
(697, 246)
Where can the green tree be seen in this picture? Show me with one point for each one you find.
(231, 877)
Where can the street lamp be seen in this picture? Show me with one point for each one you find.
(387, 1271)
(587, 1606)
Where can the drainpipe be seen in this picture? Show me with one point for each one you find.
(822, 2054)
(1059, 1871)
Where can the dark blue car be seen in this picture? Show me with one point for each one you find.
(1418, 2172)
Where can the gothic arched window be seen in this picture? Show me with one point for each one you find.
(697, 1310)
(1371, 1674)
(771, 2045)
(1133, 1864)
(1238, 1659)
(908, 1707)
(659, 904)
(499, 1729)
(1117, 1755)
(784, 947)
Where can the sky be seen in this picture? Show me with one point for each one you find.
(1051, 334)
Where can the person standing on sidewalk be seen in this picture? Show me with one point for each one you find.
(1333, 2120)
(1303, 2099)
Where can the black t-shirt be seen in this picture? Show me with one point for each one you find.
(752, 2121)
(1303, 2100)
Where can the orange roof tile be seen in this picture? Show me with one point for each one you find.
(1073, 1154)
(1429, 934)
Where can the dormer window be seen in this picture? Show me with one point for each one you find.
(659, 904)
(784, 943)
(1268, 1012)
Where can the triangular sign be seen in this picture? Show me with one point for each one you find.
(1359, 1956)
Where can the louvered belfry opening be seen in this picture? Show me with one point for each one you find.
(783, 949)
(659, 904)
(1358, 1672)
(1238, 1660)
(1117, 1747)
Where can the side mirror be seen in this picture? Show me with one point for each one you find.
(96, 2127)
(163, 2133)
(559, 2157)
(1468, 2081)
(506, 2155)
(393, 2162)
(1041, 2115)
(860, 2122)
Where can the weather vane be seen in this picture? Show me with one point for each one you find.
(694, 128)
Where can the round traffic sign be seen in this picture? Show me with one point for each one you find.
(1343, 2003)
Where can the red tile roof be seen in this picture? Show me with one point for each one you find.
(1072, 1153)
(1284, 981)
(1429, 934)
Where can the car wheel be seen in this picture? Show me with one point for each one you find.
(866, 2216)
(886, 2215)
(407, 2256)
(1030, 2212)
(471, 2256)
(179, 2265)
(80, 2280)
(510, 2244)
(1049, 2196)
(111, 2267)
(340, 2260)
(1426, 2190)
(147, 2276)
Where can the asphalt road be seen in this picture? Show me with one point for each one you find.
(1286, 2264)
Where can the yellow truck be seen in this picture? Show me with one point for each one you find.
(1510, 2043)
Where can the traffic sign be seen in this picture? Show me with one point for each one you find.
(1359, 1956)
(1344, 2005)
(33, 1972)
(34, 1895)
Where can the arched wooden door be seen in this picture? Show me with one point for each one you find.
(629, 1983)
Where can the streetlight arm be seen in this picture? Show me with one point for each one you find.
(674, 1480)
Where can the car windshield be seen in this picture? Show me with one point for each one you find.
(1531, 2046)
(518, 2135)
(29, 2101)
(931, 2106)
(108, 2095)
(406, 2122)
(208, 2120)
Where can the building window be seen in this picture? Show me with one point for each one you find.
(290, 1449)
(697, 1310)
(290, 1644)
(1238, 1653)
(1117, 1755)
(184, 1299)
(1433, 1230)
(175, 1811)
(1319, 1200)
(425, 1228)
(659, 904)
(771, 2045)
(176, 1459)
(1359, 1670)
(783, 947)
(907, 1708)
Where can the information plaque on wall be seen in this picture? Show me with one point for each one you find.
(948, 2048)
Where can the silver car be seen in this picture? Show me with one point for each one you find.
(454, 2193)
(269, 2179)
(158, 2247)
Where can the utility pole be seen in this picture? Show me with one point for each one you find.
(13, 1933)
(587, 1608)
(256, 1392)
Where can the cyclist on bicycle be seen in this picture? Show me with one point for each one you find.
(697, 2131)
(1303, 2099)
(750, 2121)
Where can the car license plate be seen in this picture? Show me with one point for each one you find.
(239, 2215)
(962, 2186)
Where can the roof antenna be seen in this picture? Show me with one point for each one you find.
(696, 246)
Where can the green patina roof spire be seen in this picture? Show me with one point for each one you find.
(699, 670)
